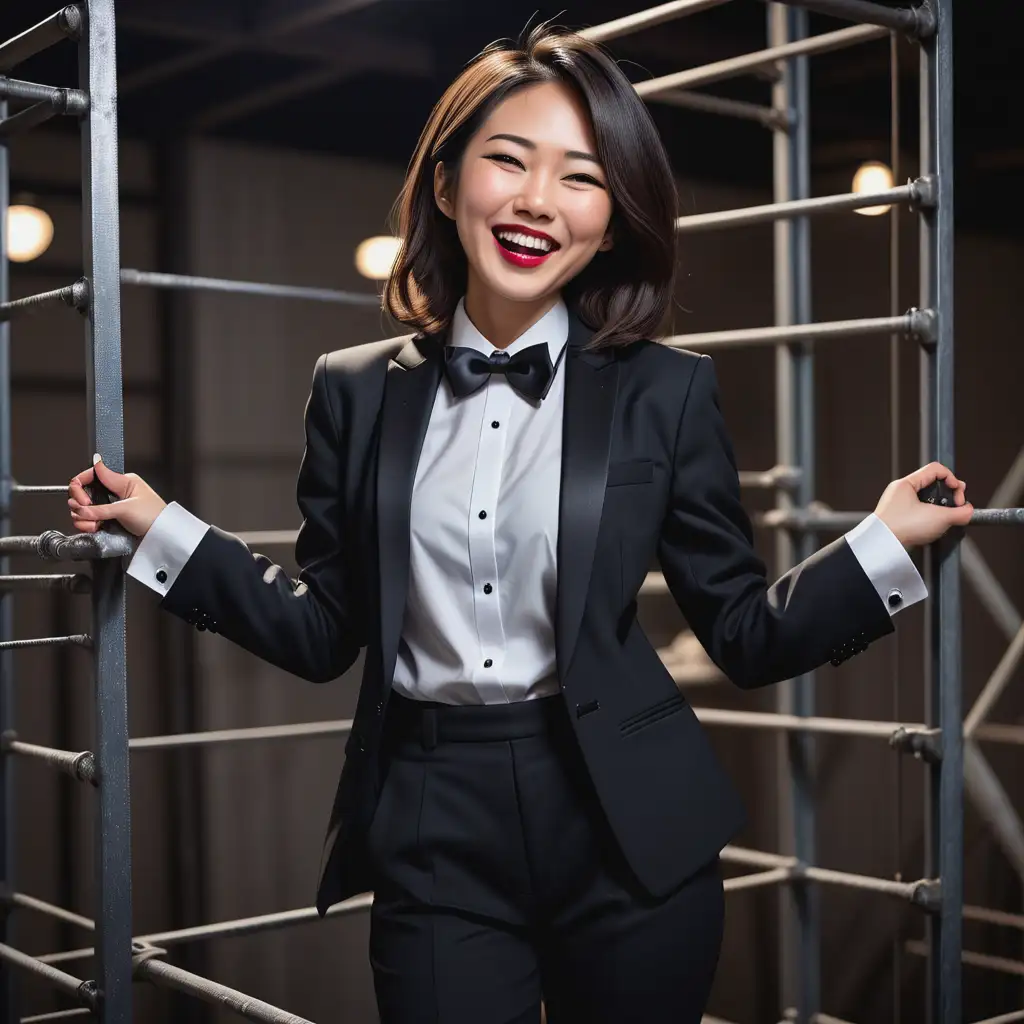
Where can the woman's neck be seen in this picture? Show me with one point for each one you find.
(502, 320)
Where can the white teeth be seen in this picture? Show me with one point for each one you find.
(528, 240)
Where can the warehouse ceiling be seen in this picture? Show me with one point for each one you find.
(358, 77)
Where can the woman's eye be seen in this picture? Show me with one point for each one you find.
(505, 156)
(586, 178)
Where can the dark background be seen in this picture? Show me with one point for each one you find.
(263, 140)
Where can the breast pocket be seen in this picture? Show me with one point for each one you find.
(630, 471)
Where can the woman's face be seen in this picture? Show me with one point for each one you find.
(530, 169)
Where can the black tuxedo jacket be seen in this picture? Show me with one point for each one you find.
(648, 472)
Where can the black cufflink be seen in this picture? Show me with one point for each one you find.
(895, 598)
(161, 576)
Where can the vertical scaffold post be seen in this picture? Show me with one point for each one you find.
(944, 808)
(8, 1001)
(794, 411)
(97, 74)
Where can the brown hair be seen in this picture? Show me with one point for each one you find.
(624, 291)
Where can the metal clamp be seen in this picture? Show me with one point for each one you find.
(925, 746)
(928, 896)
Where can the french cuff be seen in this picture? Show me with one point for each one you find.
(885, 561)
(166, 547)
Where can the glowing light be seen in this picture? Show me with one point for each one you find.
(376, 256)
(872, 176)
(29, 233)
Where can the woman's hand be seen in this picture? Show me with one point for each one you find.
(137, 507)
(917, 522)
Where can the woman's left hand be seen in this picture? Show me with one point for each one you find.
(917, 522)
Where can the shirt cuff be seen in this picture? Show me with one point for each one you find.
(885, 561)
(166, 547)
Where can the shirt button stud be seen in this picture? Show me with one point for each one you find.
(495, 424)
(161, 576)
(895, 598)
(487, 588)
(488, 663)
(482, 514)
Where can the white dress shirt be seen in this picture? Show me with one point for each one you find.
(479, 619)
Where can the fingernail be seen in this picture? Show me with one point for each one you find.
(96, 458)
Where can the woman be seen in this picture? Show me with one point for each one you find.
(525, 789)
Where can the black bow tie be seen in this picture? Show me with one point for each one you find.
(529, 371)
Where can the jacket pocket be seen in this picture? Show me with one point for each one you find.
(630, 471)
(671, 705)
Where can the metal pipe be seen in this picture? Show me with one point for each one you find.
(1003, 1018)
(30, 117)
(40, 1018)
(991, 732)
(911, 193)
(809, 723)
(218, 284)
(17, 488)
(777, 120)
(74, 295)
(79, 765)
(997, 682)
(67, 23)
(217, 737)
(246, 1006)
(647, 19)
(757, 879)
(19, 899)
(228, 929)
(915, 21)
(913, 323)
(80, 990)
(63, 101)
(73, 583)
(992, 963)
(79, 547)
(76, 640)
(732, 67)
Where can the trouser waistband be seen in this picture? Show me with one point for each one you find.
(436, 723)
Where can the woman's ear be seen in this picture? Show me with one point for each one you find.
(441, 190)
(607, 242)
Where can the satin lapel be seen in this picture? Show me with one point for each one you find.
(591, 385)
(409, 391)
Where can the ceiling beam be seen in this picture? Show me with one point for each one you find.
(216, 43)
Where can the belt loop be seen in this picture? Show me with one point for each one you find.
(429, 730)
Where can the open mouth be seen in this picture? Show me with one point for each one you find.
(522, 249)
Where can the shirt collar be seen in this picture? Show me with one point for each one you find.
(552, 328)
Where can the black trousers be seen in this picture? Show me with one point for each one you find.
(498, 883)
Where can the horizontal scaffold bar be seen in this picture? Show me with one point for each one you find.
(75, 640)
(745, 111)
(74, 295)
(79, 547)
(146, 964)
(217, 737)
(67, 23)
(63, 101)
(17, 488)
(917, 322)
(83, 991)
(732, 67)
(798, 723)
(915, 21)
(46, 1018)
(74, 583)
(647, 19)
(79, 765)
(915, 193)
(218, 284)
(992, 963)
(20, 899)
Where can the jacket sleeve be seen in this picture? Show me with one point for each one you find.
(313, 625)
(824, 609)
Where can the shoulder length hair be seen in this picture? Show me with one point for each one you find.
(624, 292)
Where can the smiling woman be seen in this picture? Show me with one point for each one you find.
(539, 174)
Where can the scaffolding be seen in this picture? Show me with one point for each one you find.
(944, 744)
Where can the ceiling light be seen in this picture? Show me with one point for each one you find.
(376, 256)
(872, 176)
(29, 233)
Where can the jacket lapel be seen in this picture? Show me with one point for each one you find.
(413, 377)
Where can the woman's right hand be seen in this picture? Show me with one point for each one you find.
(137, 506)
